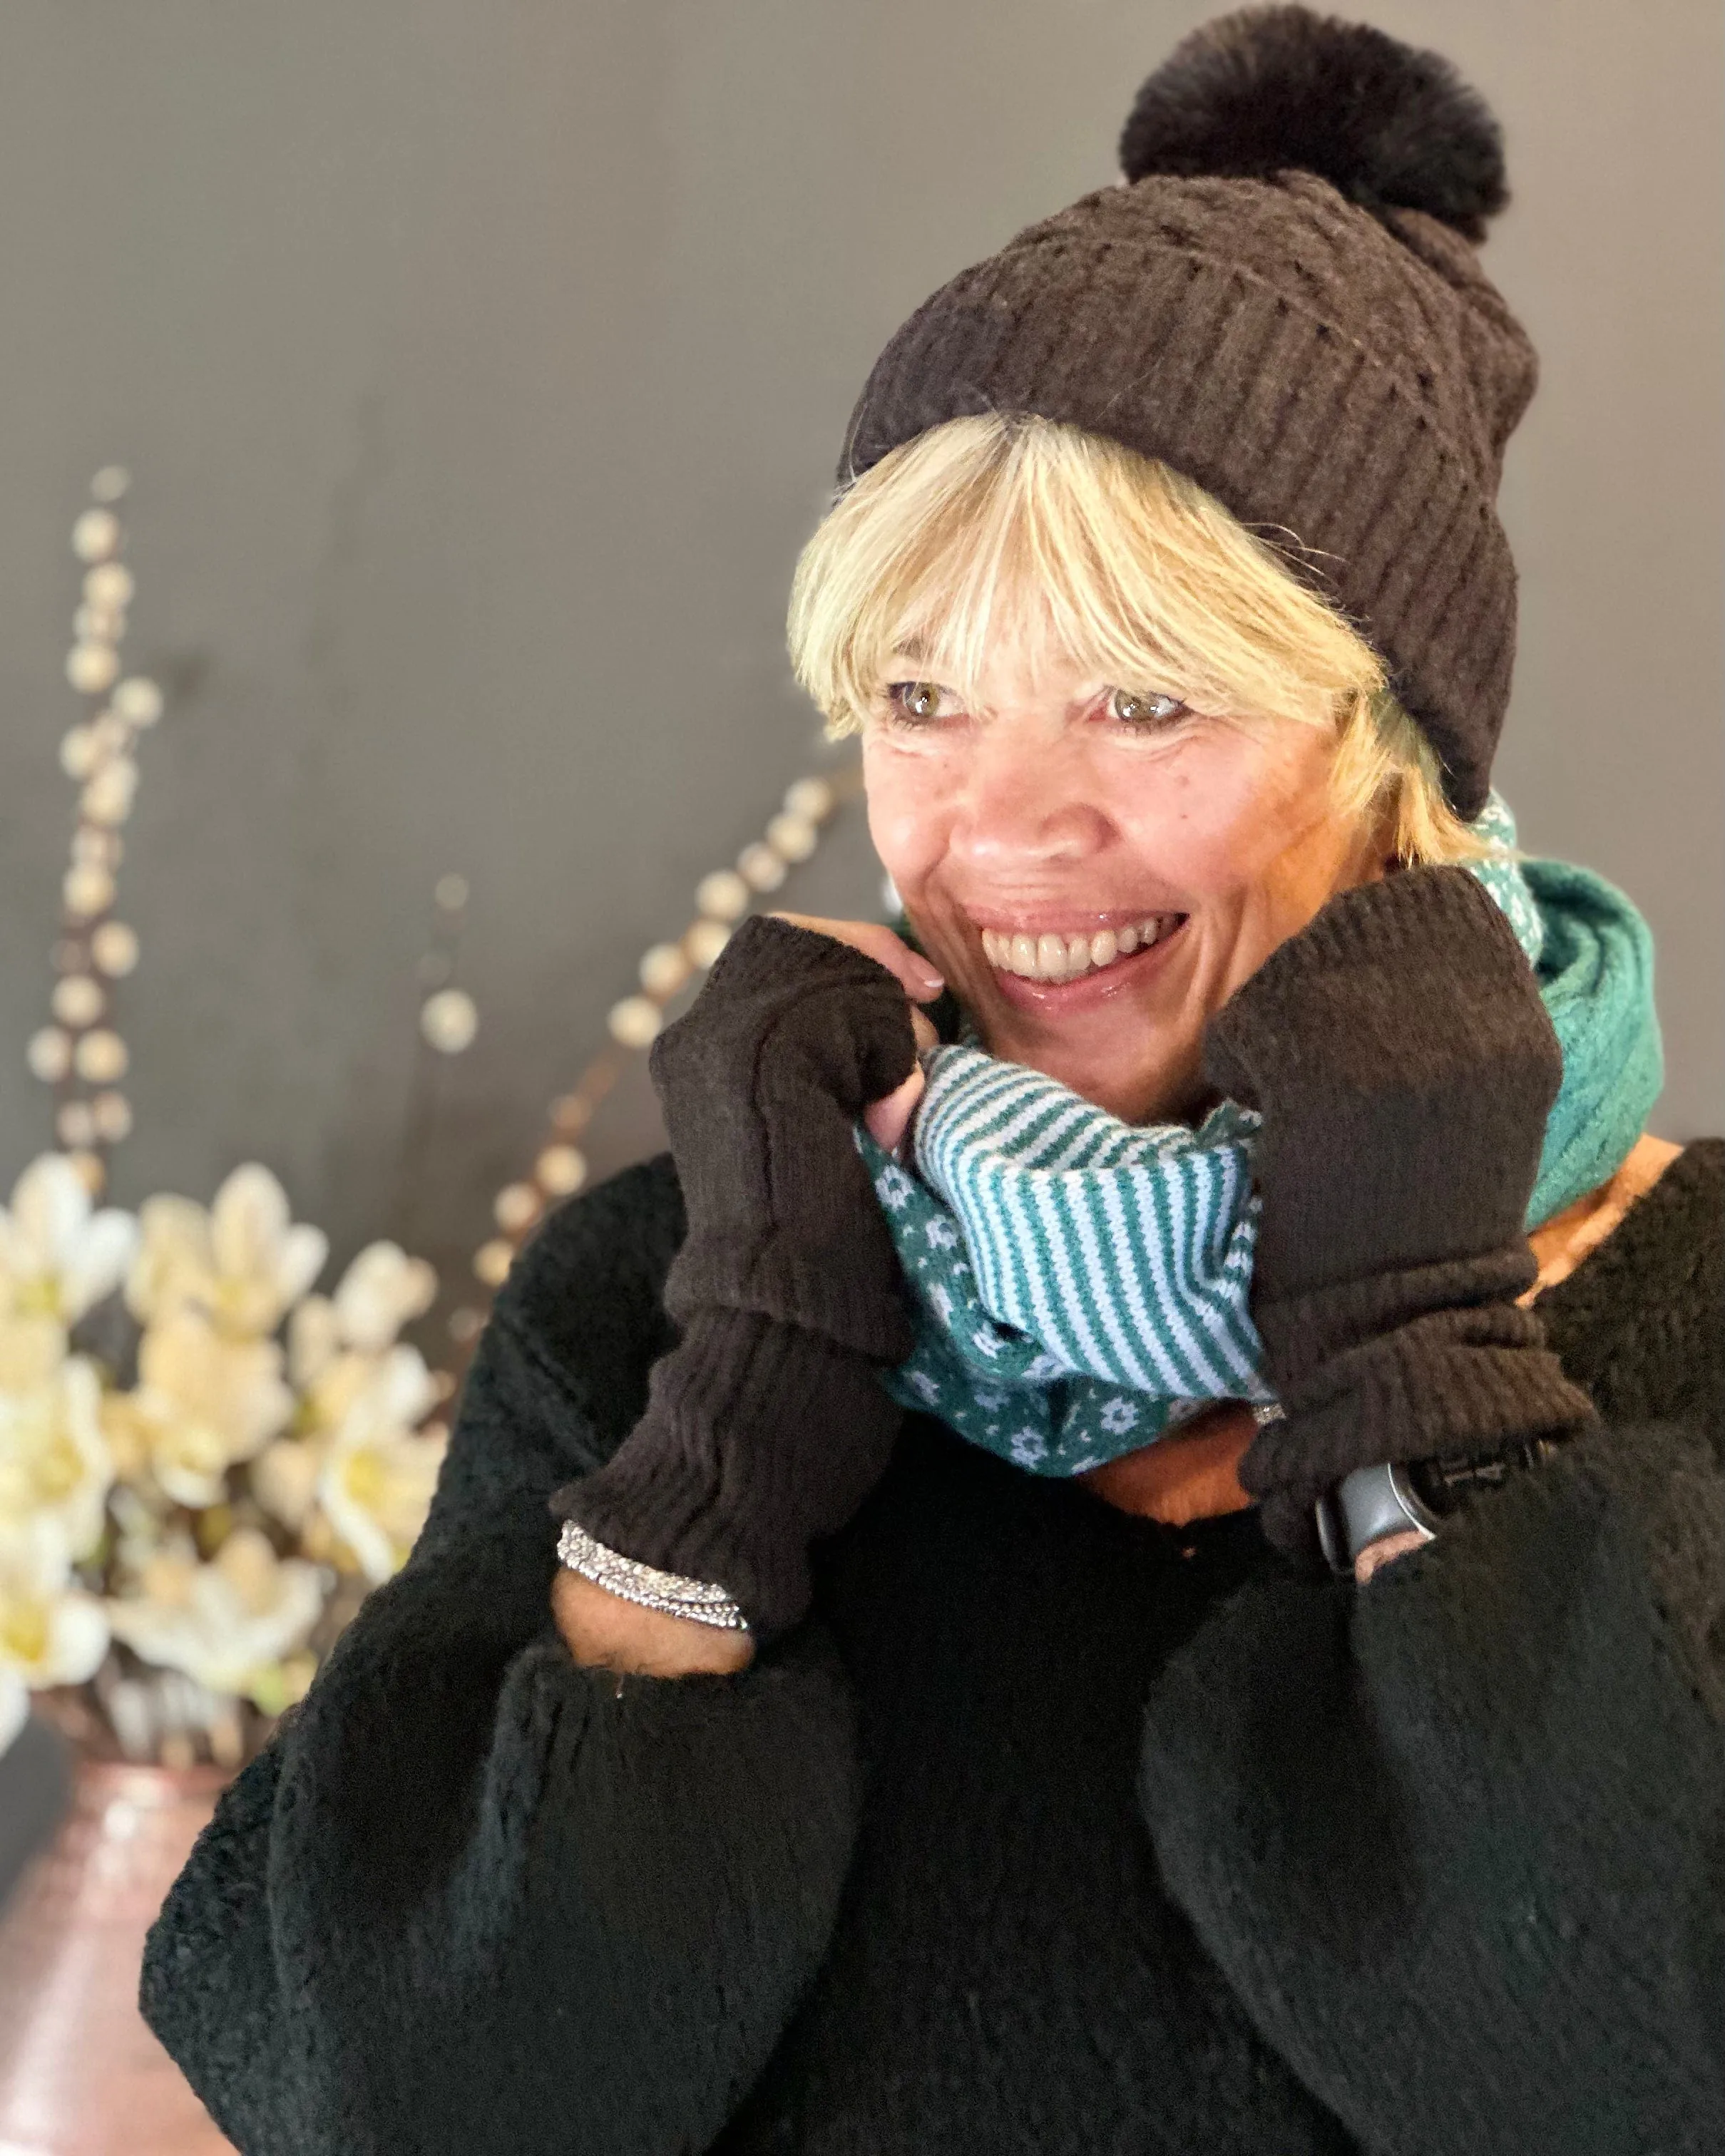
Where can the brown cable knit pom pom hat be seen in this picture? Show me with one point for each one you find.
(1283, 301)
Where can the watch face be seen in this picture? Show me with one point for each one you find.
(1370, 1503)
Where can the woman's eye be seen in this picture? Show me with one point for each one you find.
(1143, 707)
(914, 700)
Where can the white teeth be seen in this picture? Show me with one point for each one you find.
(1056, 959)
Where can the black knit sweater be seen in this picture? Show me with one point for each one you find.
(1053, 1831)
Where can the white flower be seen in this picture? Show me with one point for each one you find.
(988, 1399)
(242, 1265)
(378, 1475)
(1042, 1368)
(172, 1261)
(324, 1402)
(894, 1187)
(353, 1396)
(1029, 1447)
(984, 1342)
(336, 1344)
(925, 1386)
(941, 1235)
(327, 1404)
(58, 1259)
(54, 1461)
(203, 1403)
(50, 1632)
(56, 1254)
(284, 1478)
(1117, 1417)
(314, 1341)
(32, 1349)
(226, 1624)
(381, 1292)
(941, 1299)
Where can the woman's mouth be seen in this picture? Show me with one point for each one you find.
(1055, 973)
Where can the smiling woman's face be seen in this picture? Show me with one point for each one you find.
(1169, 852)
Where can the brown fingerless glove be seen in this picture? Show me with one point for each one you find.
(1404, 1067)
(766, 1426)
(762, 1082)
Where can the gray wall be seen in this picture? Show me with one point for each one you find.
(482, 367)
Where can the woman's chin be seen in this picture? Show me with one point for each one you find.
(1135, 1067)
(1137, 1096)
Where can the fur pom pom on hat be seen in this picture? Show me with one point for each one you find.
(1283, 301)
(1276, 89)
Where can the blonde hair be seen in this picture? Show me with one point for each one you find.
(992, 528)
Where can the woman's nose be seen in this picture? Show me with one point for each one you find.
(1026, 809)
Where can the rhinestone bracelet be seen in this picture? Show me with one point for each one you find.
(671, 1592)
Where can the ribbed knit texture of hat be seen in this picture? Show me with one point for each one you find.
(1338, 372)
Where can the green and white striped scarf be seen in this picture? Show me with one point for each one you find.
(1082, 1285)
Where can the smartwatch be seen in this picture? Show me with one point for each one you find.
(1416, 1495)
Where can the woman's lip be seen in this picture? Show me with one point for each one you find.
(1090, 991)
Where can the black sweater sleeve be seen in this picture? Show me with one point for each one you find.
(1457, 1838)
(473, 1896)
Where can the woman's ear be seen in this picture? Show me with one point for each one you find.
(1377, 855)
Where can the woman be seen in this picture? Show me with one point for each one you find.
(869, 1779)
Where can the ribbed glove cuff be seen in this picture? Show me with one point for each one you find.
(1453, 1383)
(758, 1438)
(851, 1295)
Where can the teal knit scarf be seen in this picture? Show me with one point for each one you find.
(1081, 1284)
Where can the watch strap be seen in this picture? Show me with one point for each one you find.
(1395, 1497)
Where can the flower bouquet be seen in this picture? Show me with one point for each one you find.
(204, 1463)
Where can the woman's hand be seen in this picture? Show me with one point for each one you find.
(603, 1631)
(1404, 1066)
(888, 1119)
(761, 1080)
(766, 1426)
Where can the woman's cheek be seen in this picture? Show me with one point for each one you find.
(1216, 819)
(1187, 810)
(905, 816)
(1195, 844)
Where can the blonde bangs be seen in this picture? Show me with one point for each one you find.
(997, 532)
